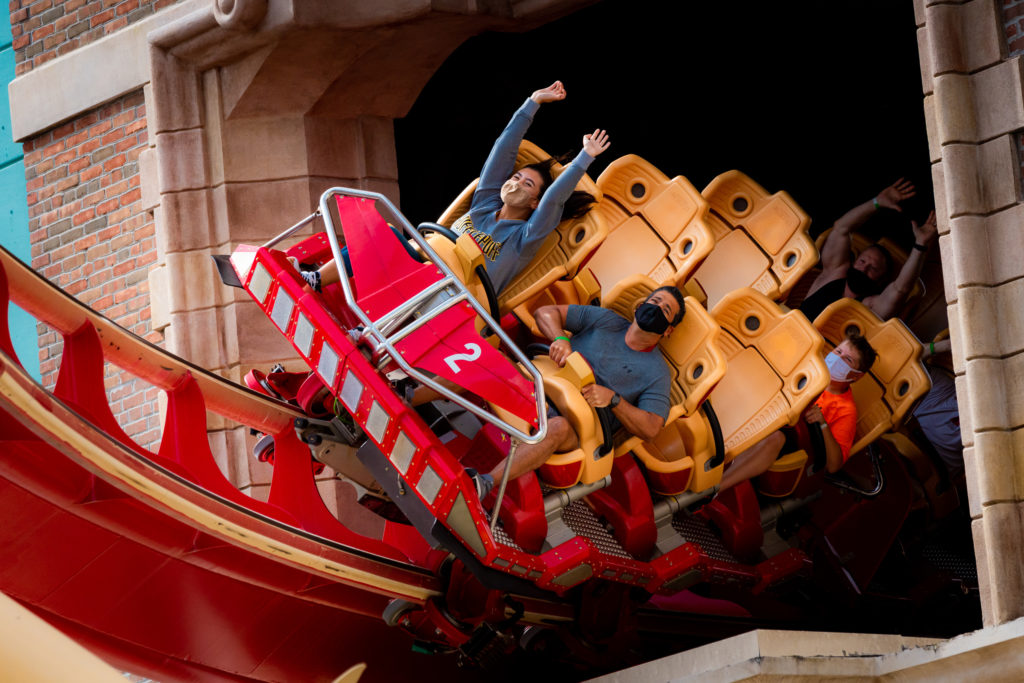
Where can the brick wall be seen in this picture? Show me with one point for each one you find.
(91, 236)
(1013, 22)
(45, 29)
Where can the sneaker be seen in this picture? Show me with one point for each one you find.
(312, 278)
(483, 482)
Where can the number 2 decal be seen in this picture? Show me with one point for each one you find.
(453, 360)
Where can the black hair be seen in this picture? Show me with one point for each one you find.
(886, 258)
(866, 351)
(678, 296)
(578, 203)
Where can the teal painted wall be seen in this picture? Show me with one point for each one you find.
(14, 208)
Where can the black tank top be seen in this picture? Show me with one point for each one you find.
(817, 302)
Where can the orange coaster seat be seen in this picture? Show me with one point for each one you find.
(884, 396)
(888, 392)
(695, 365)
(775, 369)
(561, 254)
(657, 228)
(761, 241)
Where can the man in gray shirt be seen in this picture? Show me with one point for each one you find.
(631, 377)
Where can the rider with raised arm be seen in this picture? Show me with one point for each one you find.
(865, 278)
(512, 211)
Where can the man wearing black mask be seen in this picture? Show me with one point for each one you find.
(631, 378)
(865, 279)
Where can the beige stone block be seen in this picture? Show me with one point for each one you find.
(995, 318)
(255, 212)
(919, 15)
(995, 393)
(999, 466)
(963, 400)
(378, 135)
(998, 100)
(1006, 244)
(1004, 546)
(930, 125)
(149, 178)
(965, 37)
(186, 221)
(967, 250)
(200, 338)
(981, 559)
(924, 52)
(192, 281)
(956, 339)
(978, 312)
(981, 179)
(939, 189)
(259, 341)
(147, 96)
(971, 475)
(334, 147)
(948, 262)
(986, 394)
(214, 116)
(181, 156)
(263, 149)
(955, 115)
(159, 298)
(176, 94)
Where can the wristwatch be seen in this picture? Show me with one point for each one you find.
(615, 400)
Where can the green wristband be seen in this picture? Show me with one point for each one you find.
(557, 338)
(875, 202)
(931, 348)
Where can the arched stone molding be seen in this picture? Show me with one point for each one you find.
(974, 105)
(255, 108)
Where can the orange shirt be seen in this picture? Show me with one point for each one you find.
(840, 412)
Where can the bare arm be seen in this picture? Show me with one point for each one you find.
(637, 421)
(551, 323)
(888, 303)
(833, 451)
(835, 254)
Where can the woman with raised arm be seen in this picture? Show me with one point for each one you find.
(513, 211)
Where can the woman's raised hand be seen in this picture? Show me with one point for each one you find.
(596, 142)
(552, 93)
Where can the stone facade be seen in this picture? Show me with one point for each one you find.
(209, 130)
(975, 113)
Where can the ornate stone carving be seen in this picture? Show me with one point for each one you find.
(242, 15)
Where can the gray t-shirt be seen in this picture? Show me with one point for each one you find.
(640, 377)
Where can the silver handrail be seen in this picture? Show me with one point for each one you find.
(386, 343)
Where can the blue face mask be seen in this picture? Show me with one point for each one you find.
(839, 370)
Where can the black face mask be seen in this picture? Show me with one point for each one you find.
(650, 318)
(860, 284)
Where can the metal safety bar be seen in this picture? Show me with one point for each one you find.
(373, 328)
